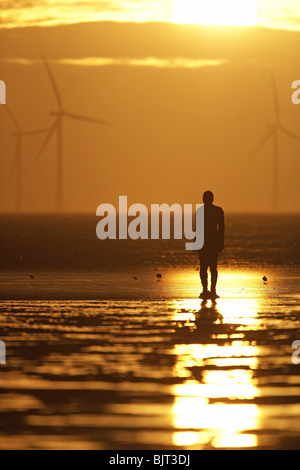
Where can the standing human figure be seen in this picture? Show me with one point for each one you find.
(214, 227)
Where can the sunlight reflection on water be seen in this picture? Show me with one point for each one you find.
(172, 373)
(219, 423)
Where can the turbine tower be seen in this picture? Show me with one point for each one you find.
(57, 128)
(273, 133)
(19, 134)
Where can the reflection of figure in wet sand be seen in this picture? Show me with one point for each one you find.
(213, 245)
(208, 313)
(207, 324)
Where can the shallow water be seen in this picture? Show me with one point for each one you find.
(101, 354)
(160, 372)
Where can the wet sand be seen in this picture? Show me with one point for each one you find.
(99, 360)
(167, 372)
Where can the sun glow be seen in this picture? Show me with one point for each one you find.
(216, 12)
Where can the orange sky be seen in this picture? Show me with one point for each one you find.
(283, 14)
(188, 104)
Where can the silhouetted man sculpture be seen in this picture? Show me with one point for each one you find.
(213, 245)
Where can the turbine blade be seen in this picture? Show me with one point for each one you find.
(37, 132)
(53, 83)
(48, 137)
(275, 96)
(12, 118)
(15, 157)
(261, 143)
(290, 134)
(78, 117)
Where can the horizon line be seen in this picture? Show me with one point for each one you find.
(11, 26)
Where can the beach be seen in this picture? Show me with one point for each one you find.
(104, 354)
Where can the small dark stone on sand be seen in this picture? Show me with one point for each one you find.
(265, 279)
(159, 276)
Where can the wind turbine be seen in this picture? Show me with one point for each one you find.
(57, 128)
(19, 134)
(273, 133)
